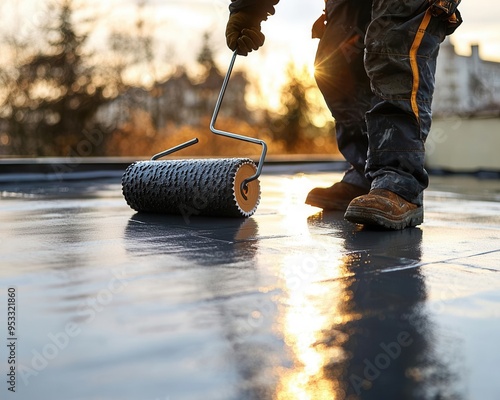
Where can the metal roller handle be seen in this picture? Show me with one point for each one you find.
(244, 184)
(174, 149)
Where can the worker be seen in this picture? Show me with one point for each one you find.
(375, 66)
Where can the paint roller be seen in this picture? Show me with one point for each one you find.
(212, 187)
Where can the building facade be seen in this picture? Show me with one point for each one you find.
(466, 85)
(179, 100)
(465, 133)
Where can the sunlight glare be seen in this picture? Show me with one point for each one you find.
(311, 309)
(296, 189)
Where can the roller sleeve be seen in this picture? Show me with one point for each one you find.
(209, 187)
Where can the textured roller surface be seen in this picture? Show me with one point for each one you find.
(209, 187)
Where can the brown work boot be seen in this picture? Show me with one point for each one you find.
(384, 208)
(336, 197)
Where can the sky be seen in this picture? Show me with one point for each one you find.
(288, 32)
(179, 26)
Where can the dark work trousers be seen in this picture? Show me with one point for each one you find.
(375, 66)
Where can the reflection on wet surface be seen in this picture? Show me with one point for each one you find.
(292, 303)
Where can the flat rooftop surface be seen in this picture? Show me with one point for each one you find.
(291, 303)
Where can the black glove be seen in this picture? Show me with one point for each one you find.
(243, 32)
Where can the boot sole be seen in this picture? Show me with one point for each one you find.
(370, 216)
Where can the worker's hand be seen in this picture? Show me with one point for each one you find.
(243, 33)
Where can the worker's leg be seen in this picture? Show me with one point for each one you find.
(402, 44)
(341, 77)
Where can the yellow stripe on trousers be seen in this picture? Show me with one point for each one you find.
(413, 61)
